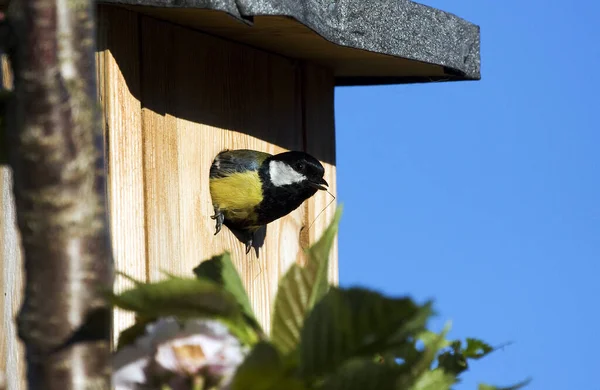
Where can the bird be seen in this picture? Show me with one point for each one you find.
(250, 189)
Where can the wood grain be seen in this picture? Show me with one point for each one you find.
(319, 127)
(161, 165)
(202, 95)
(118, 67)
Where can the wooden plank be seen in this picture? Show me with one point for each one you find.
(161, 164)
(119, 89)
(201, 95)
(319, 128)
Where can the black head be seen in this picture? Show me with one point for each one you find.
(297, 169)
(288, 179)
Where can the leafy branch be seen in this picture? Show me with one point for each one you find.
(323, 337)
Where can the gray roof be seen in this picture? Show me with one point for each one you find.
(365, 41)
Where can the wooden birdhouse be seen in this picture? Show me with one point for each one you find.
(180, 81)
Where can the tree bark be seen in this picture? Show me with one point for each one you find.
(56, 153)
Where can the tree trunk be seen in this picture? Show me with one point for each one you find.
(56, 153)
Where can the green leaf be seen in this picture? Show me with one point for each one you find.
(434, 343)
(434, 380)
(362, 374)
(264, 369)
(517, 386)
(318, 259)
(476, 349)
(455, 361)
(352, 323)
(300, 289)
(185, 298)
(178, 297)
(220, 269)
(402, 342)
(129, 278)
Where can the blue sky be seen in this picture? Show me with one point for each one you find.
(486, 195)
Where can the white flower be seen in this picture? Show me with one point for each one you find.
(196, 347)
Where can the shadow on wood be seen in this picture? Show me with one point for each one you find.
(258, 240)
(209, 80)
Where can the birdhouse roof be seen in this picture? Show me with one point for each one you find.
(366, 42)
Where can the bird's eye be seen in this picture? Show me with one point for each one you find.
(300, 166)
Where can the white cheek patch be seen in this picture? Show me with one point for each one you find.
(282, 174)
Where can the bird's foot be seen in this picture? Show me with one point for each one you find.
(219, 217)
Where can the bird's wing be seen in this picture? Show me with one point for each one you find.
(232, 161)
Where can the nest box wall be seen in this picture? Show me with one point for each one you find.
(180, 81)
(173, 98)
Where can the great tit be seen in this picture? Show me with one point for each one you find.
(250, 189)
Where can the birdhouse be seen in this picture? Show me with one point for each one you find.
(179, 81)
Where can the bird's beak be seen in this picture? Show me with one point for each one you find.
(319, 184)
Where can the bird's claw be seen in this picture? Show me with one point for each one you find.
(248, 246)
(219, 217)
(249, 241)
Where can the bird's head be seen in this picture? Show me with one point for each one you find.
(296, 168)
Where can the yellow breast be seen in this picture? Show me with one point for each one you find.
(237, 195)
